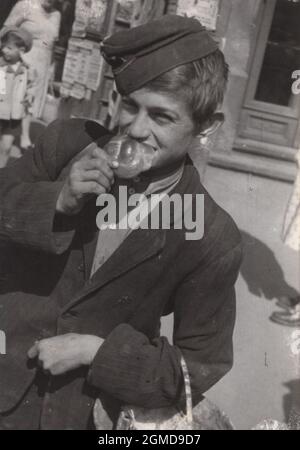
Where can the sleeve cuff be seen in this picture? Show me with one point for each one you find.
(120, 349)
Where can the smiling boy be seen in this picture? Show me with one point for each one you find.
(85, 317)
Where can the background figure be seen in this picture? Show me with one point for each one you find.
(17, 86)
(42, 20)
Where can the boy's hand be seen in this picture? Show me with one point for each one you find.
(92, 174)
(61, 354)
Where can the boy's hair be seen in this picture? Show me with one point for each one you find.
(14, 38)
(202, 84)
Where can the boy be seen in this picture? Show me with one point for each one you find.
(16, 86)
(81, 308)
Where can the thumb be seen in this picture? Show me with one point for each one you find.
(33, 351)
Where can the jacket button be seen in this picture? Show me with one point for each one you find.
(124, 300)
(81, 267)
(44, 334)
(69, 314)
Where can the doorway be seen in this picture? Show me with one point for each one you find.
(270, 114)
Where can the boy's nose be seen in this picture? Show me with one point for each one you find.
(139, 128)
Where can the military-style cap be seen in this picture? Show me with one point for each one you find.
(141, 54)
(21, 33)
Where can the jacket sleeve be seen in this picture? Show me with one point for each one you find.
(147, 373)
(29, 189)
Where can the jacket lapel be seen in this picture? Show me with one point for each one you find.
(139, 246)
(89, 235)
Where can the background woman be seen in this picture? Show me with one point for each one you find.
(42, 20)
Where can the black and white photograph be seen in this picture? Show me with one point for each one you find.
(150, 217)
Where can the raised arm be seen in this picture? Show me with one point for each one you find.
(31, 187)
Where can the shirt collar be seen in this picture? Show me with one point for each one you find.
(154, 180)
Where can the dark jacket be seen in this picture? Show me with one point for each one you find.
(46, 291)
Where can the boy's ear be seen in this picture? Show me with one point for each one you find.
(212, 126)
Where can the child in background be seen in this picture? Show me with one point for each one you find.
(17, 82)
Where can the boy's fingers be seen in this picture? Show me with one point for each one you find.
(96, 164)
(91, 187)
(95, 175)
(98, 153)
(33, 351)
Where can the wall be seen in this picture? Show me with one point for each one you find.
(239, 39)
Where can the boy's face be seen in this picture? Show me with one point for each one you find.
(159, 120)
(11, 52)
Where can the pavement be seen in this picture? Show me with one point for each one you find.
(266, 373)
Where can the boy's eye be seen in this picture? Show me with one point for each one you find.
(162, 119)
